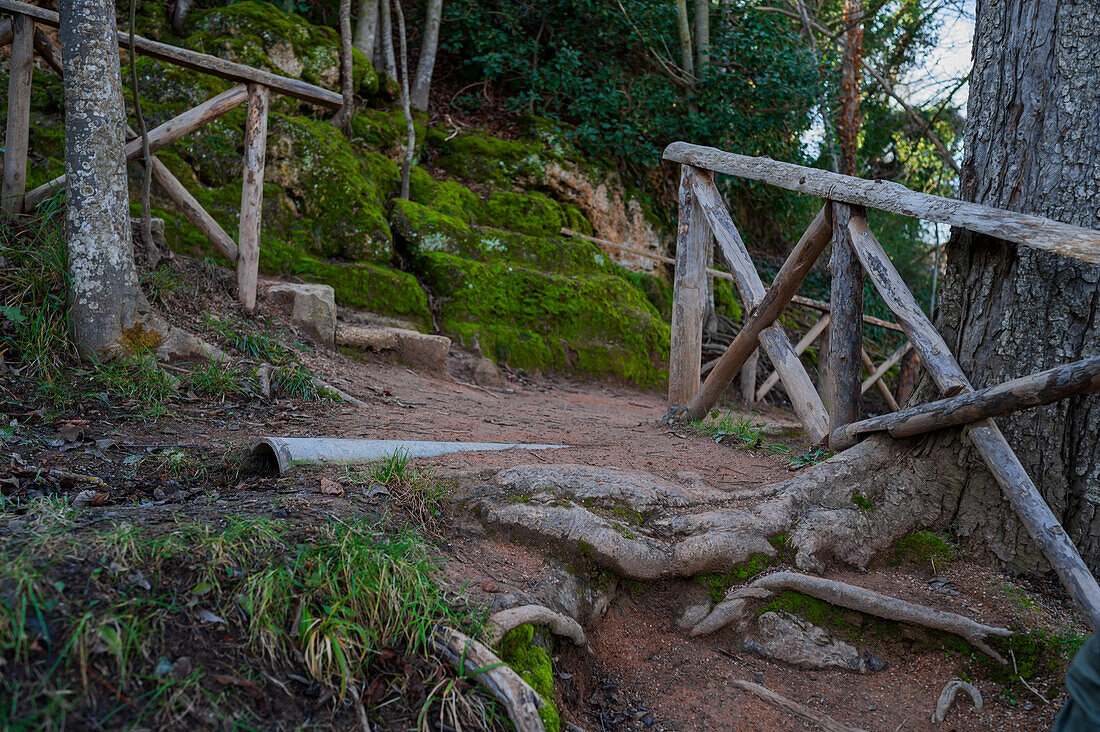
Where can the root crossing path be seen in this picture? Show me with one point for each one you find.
(640, 530)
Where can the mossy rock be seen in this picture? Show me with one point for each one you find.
(487, 159)
(152, 19)
(596, 324)
(260, 35)
(342, 193)
(726, 300)
(384, 130)
(532, 663)
(528, 213)
(449, 197)
(426, 229)
(656, 290)
(381, 290)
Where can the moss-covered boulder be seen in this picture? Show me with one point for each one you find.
(259, 34)
(342, 193)
(425, 229)
(487, 159)
(382, 290)
(593, 323)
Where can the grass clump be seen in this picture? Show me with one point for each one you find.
(746, 431)
(90, 623)
(256, 344)
(216, 379)
(417, 492)
(532, 662)
(922, 549)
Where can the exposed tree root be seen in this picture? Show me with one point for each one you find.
(500, 623)
(644, 527)
(737, 602)
(794, 708)
(473, 659)
(947, 698)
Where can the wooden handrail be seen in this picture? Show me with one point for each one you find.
(1033, 231)
(196, 61)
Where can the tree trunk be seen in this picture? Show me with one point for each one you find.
(428, 47)
(683, 26)
(104, 285)
(342, 119)
(366, 28)
(702, 34)
(848, 121)
(108, 314)
(389, 60)
(1032, 142)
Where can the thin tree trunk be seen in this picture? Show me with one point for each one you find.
(1031, 145)
(366, 28)
(848, 121)
(428, 47)
(389, 62)
(107, 314)
(684, 28)
(702, 35)
(152, 254)
(342, 119)
(410, 144)
(104, 288)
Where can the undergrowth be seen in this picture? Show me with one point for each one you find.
(135, 626)
(748, 432)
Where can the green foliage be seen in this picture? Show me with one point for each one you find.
(718, 583)
(532, 663)
(747, 431)
(136, 378)
(34, 281)
(599, 66)
(323, 601)
(216, 379)
(810, 457)
(256, 344)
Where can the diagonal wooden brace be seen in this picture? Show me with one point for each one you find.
(766, 306)
(1002, 462)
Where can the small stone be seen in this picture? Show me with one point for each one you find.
(648, 720)
(486, 373)
(181, 669)
(311, 307)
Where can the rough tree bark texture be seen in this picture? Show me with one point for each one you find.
(683, 28)
(104, 289)
(848, 120)
(425, 66)
(1033, 145)
(342, 119)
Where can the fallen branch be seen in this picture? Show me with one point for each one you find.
(854, 598)
(471, 658)
(500, 623)
(794, 708)
(947, 698)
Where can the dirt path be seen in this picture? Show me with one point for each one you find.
(640, 671)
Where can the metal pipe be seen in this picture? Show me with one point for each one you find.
(286, 452)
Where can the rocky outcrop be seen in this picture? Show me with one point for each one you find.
(311, 307)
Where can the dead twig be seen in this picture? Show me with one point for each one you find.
(794, 708)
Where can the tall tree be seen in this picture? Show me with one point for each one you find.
(1032, 145)
(366, 28)
(702, 35)
(108, 313)
(425, 66)
(347, 81)
(683, 27)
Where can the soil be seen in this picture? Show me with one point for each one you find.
(640, 671)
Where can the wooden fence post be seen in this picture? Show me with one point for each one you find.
(252, 195)
(846, 330)
(688, 295)
(19, 115)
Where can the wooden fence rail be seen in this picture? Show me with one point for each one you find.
(857, 253)
(253, 86)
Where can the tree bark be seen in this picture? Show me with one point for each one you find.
(366, 28)
(410, 128)
(342, 120)
(683, 26)
(108, 314)
(104, 286)
(848, 121)
(702, 35)
(388, 59)
(1033, 145)
(425, 66)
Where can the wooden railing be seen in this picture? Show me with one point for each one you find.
(253, 86)
(856, 252)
